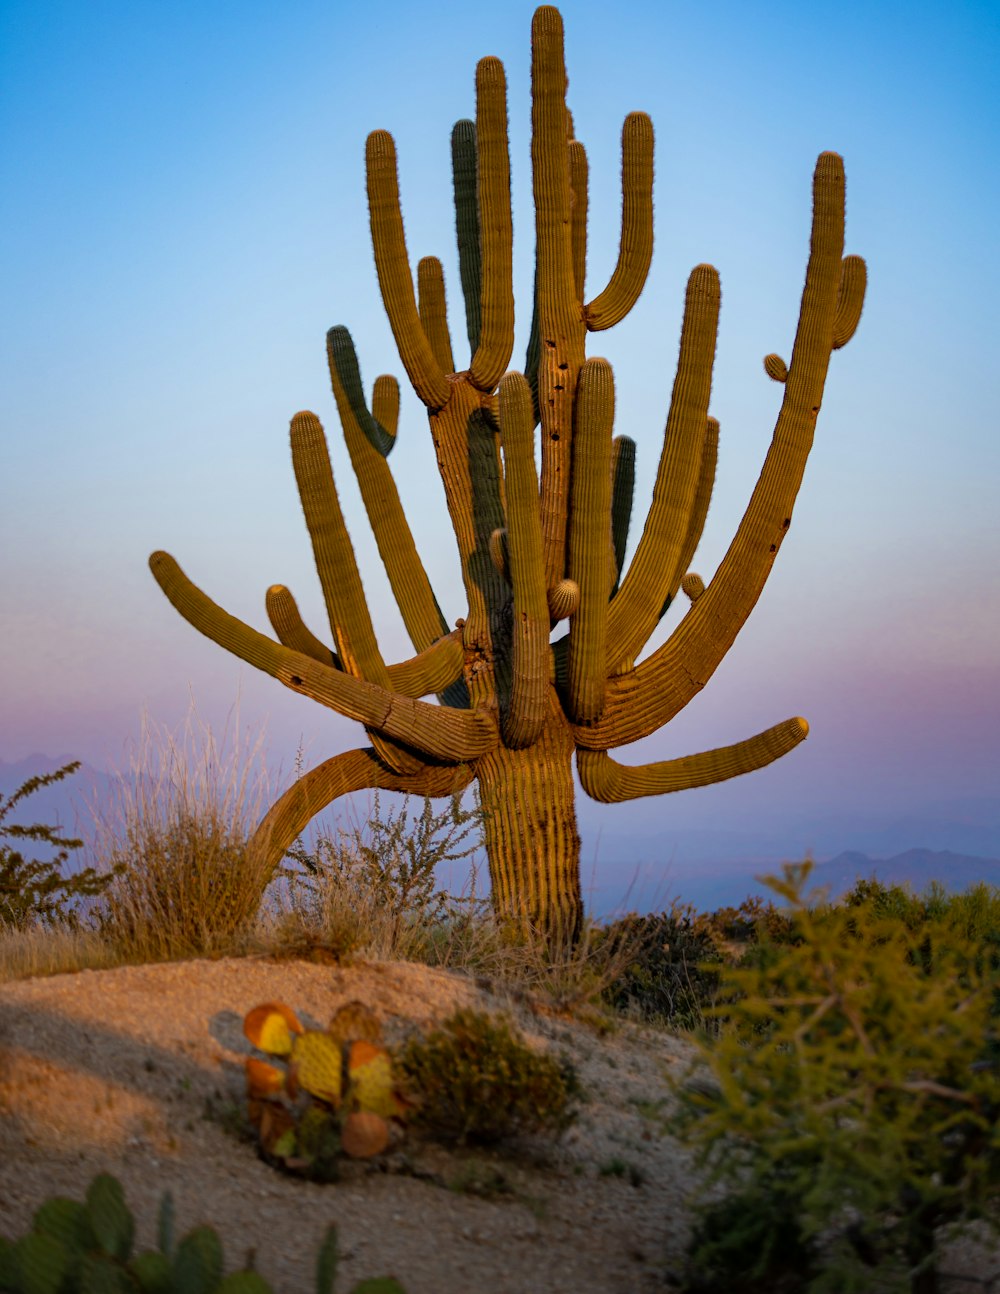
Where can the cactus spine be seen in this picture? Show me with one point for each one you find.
(513, 706)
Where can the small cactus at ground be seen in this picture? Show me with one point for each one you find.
(76, 1248)
(335, 1094)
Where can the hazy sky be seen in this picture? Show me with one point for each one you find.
(184, 216)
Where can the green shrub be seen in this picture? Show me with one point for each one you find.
(672, 974)
(474, 1081)
(86, 1248)
(857, 1088)
(33, 891)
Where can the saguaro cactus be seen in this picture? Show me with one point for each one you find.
(514, 705)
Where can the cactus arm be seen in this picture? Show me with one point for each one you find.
(354, 770)
(610, 782)
(656, 569)
(463, 170)
(528, 706)
(699, 508)
(451, 736)
(850, 299)
(636, 248)
(339, 578)
(291, 630)
(649, 696)
(578, 177)
(433, 311)
(407, 577)
(622, 493)
(589, 540)
(385, 402)
(435, 670)
(392, 264)
(432, 670)
(561, 331)
(496, 338)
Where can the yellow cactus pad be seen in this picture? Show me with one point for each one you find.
(369, 1072)
(316, 1066)
(270, 1027)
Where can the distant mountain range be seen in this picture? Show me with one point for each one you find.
(726, 877)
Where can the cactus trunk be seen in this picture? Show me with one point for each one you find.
(529, 829)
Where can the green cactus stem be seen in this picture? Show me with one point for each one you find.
(509, 707)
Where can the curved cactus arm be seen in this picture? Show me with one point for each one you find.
(610, 782)
(656, 569)
(339, 577)
(622, 494)
(463, 170)
(590, 540)
(562, 334)
(432, 670)
(496, 337)
(433, 311)
(649, 696)
(850, 299)
(437, 669)
(291, 630)
(636, 249)
(410, 586)
(451, 736)
(392, 264)
(578, 183)
(385, 402)
(354, 770)
(528, 706)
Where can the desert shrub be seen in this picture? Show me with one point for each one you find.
(856, 1077)
(373, 884)
(34, 891)
(672, 974)
(754, 919)
(76, 1248)
(177, 838)
(473, 1080)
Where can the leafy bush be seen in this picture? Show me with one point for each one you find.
(857, 1090)
(34, 891)
(672, 974)
(474, 1080)
(76, 1248)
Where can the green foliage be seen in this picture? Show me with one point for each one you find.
(475, 1081)
(31, 890)
(673, 971)
(76, 1248)
(856, 1093)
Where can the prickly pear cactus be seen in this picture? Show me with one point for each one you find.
(334, 1094)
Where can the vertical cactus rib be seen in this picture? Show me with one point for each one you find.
(392, 264)
(290, 629)
(433, 311)
(407, 577)
(850, 299)
(496, 338)
(385, 403)
(590, 540)
(622, 493)
(636, 250)
(610, 782)
(463, 169)
(561, 330)
(578, 183)
(649, 696)
(354, 770)
(528, 704)
(656, 569)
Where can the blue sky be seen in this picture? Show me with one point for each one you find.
(184, 214)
